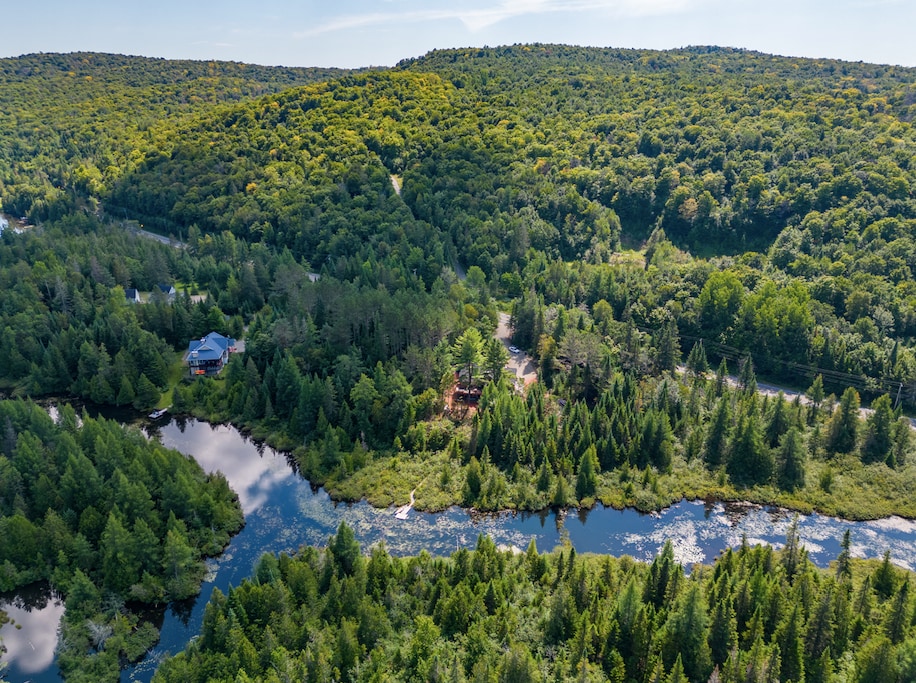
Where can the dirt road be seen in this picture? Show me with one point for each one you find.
(520, 364)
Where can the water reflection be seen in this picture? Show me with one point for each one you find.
(30, 637)
(283, 512)
(216, 448)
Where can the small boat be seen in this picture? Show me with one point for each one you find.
(156, 414)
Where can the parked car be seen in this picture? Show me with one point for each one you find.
(514, 349)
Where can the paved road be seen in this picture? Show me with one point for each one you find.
(772, 390)
(159, 238)
(132, 227)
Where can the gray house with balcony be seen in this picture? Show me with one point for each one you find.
(208, 355)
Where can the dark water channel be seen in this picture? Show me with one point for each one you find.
(283, 512)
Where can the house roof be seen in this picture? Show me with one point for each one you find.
(211, 347)
(166, 289)
(132, 294)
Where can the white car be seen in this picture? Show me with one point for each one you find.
(514, 349)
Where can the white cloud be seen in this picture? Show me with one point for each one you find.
(479, 18)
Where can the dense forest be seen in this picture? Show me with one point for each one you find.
(70, 124)
(661, 227)
(108, 517)
(717, 152)
(755, 616)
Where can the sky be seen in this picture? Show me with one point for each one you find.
(354, 33)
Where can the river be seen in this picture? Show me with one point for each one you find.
(283, 512)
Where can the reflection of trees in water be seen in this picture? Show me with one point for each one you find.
(183, 609)
(583, 514)
(31, 598)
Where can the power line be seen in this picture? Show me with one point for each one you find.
(861, 382)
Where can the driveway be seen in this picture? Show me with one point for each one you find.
(520, 364)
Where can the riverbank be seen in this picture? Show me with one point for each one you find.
(841, 486)
(856, 491)
(283, 511)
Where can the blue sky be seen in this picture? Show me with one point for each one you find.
(350, 33)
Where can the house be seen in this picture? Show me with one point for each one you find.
(208, 355)
(167, 291)
(132, 295)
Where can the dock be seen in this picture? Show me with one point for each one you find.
(401, 512)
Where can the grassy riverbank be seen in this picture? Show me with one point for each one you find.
(839, 485)
(858, 492)
(572, 439)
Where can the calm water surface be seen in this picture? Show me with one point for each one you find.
(283, 512)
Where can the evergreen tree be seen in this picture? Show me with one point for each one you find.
(723, 630)
(815, 394)
(750, 462)
(656, 442)
(125, 393)
(721, 377)
(495, 359)
(100, 391)
(791, 461)
(677, 674)
(884, 580)
(903, 439)
(119, 566)
(898, 619)
(179, 565)
(345, 550)
(697, 363)
(879, 426)
(906, 660)
(668, 348)
(818, 639)
(791, 648)
(562, 494)
(793, 556)
(147, 395)
(876, 662)
(843, 560)
(844, 424)
(717, 433)
(347, 651)
(473, 481)
(467, 353)
(587, 477)
(779, 422)
(366, 401)
(686, 632)
(664, 573)
(747, 378)
(517, 665)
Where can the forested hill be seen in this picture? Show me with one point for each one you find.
(512, 158)
(626, 205)
(722, 148)
(797, 175)
(71, 123)
(530, 59)
(537, 145)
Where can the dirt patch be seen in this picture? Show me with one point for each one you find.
(520, 364)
